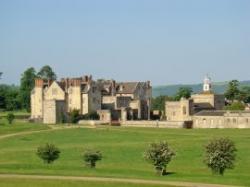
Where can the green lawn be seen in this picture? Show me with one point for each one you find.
(16, 113)
(66, 183)
(122, 149)
(19, 127)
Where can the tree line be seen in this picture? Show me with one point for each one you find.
(18, 97)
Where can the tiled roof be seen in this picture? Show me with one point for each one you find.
(203, 105)
(210, 113)
(126, 87)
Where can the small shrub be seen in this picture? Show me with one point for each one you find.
(220, 155)
(91, 156)
(74, 116)
(159, 154)
(48, 153)
(10, 117)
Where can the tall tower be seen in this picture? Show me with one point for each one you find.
(207, 84)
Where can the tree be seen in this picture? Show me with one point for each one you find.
(10, 117)
(10, 97)
(183, 92)
(220, 155)
(91, 156)
(232, 92)
(1, 73)
(158, 103)
(27, 84)
(159, 154)
(235, 106)
(48, 153)
(245, 94)
(46, 73)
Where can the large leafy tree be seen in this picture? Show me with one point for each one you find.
(159, 154)
(232, 93)
(46, 73)
(183, 92)
(9, 97)
(27, 84)
(220, 154)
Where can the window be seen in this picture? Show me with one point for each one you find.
(234, 121)
(247, 120)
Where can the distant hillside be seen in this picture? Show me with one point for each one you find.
(170, 90)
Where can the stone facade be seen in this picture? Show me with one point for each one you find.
(221, 119)
(126, 100)
(82, 94)
(119, 101)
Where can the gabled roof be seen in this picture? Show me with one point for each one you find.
(126, 87)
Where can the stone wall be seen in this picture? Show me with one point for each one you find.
(228, 120)
(160, 124)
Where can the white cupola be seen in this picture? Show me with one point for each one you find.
(207, 84)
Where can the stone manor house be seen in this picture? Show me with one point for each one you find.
(205, 110)
(51, 101)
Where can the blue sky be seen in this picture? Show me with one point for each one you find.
(165, 41)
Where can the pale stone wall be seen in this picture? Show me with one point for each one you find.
(179, 110)
(148, 123)
(203, 98)
(54, 111)
(85, 103)
(105, 115)
(74, 98)
(228, 120)
(37, 103)
(49, 116)
(216, 101)
(54, 92)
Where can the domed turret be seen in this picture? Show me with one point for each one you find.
(207, 84)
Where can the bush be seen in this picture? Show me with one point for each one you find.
(48, 153)
(10, 117)
(159, 154)
(74, 116)
(89, 116)
(91, 156)
(220, 155)
(235, 106)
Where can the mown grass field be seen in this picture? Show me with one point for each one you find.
(123, 149)
(65, 183)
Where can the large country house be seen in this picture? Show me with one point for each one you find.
(51, 101)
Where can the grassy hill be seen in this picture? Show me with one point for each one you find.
(170, 90)
(122, 149)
